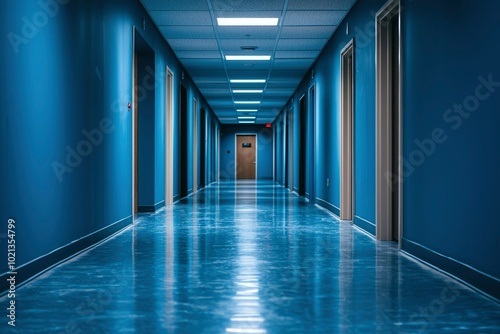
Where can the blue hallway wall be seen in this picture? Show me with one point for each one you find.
(451, 188)
(65, 126)
(450, 84)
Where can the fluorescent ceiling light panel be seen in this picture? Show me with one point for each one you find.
(247, 102)
(247, 21)
(248, 319)
(246, 117)
(247, 122)
(248, 57)
(248, 81)
(248, 90)
(247, 110)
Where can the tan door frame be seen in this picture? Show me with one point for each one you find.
(290, 124)
(195, 146)
(347, 131)
(311, 107)
(169, 137)
(384, 140)
(134, 126)
(217, 145)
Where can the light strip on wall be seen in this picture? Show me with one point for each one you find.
(248, 80)
(247, 91)
(247, 21)
(248, 57)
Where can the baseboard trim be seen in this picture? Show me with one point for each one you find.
(146, 208)
(159, 205)
(473, 277)
(365, 225)
(151, 208)
(36, 267)
(328, 206)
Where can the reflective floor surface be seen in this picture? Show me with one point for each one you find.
(247, 258)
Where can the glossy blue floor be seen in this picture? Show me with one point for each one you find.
(247, 258)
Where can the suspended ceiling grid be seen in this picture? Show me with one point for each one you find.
(190, 28)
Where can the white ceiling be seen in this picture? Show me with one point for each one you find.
(190, 28)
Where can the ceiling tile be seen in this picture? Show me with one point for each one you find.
(193, 44)
(175, 4)
(301, 44)
(320, 4)
(293, 63)
(209, 81)
(307, 31)
(181, 18)
(313, 18)
(296, 54)
(203, 64)
(199, 54)
(282, 84)
(209, 75)
(242, 32)
(180, 32)
(236, 44)
(290, 74)
(248, 53)
(247, 66)
(241, 5)
(279, 92)
(213, 85)
(214, 91)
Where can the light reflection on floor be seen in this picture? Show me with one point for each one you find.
(247, 258)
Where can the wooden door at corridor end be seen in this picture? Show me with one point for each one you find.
(246, 159)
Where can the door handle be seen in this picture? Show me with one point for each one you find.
(254, 162)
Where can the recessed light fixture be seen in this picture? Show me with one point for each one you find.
(248, 57)
(247, 102)
(246, 122)
(246, 117)
(247, 80)
(247, 21)
(247, 110)
(255, 91)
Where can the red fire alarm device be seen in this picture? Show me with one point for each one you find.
(269, 125)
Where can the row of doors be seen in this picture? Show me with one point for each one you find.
(388, 132)
(203, 157)
(304, 151)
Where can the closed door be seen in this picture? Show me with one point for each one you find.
(246, 159)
